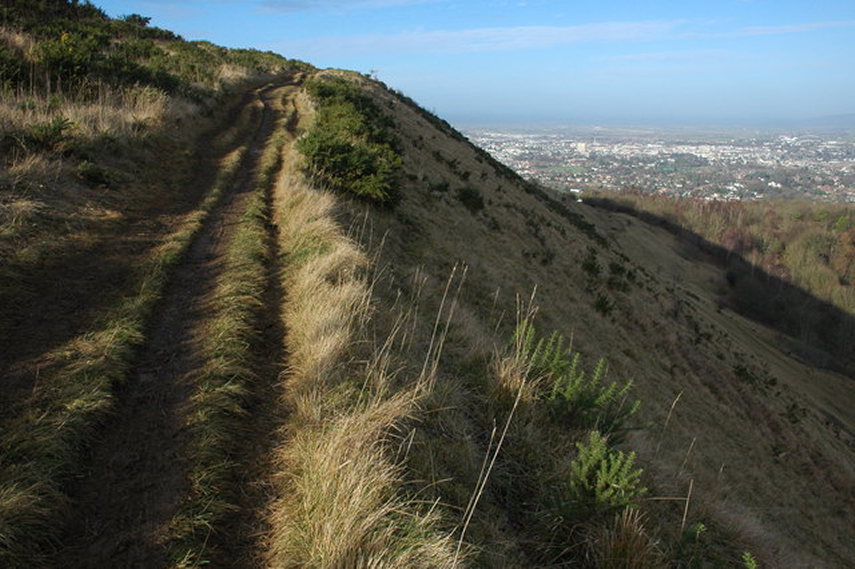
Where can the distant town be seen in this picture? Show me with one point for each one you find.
(709, 165)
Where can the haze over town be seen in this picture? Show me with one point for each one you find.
(735, 62)
(722, 165)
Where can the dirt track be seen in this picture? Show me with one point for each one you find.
(137, 477)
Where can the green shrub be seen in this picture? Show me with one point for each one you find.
(570, 485)
(575, 397)
(583, 399)
(351, 147)
(691, 547)
(601, 480)
(45, 136)
(441, 187)
(590, 264)
(749, 561)
(619, 277)
(70, 56)
(78, 49)
(603, 304)
(366, 170)
(344, 106)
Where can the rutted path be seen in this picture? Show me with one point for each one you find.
(138, 475)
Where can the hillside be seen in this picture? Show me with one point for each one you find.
(800, 247)
(315, 327)
(732, 407)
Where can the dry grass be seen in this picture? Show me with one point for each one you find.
(22, 44)
(117, 111)
(625, 544)
(43, 195)
(61, 150)
(346, 510)
(325, 279)
(512, 380)
(391, 414)
(224, 384)
(340, 500)
(48, 209)
(233, 74)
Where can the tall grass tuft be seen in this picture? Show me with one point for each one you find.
(347, 509)
(625, 544)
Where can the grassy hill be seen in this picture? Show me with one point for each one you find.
(735, 412)
(316, 327)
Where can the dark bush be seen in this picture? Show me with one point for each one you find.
(471, 199)
(48, 136)
(12, 67)
(351, 147)
(94, 176)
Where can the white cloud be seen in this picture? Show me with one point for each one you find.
(793, 28)
(667, 55)
(515, 38)
(484, 39)
(753, 31)
(336, 5)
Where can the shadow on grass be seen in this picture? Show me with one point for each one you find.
(44, 305)
(814, 330)
(46, 302)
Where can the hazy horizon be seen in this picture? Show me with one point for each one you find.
(734, 62)
(844, 123)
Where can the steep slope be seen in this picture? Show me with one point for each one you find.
(760, 441)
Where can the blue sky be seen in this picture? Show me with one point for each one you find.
(599, 61)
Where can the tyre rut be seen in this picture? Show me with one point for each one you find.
(249, 527)
(136, 480)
